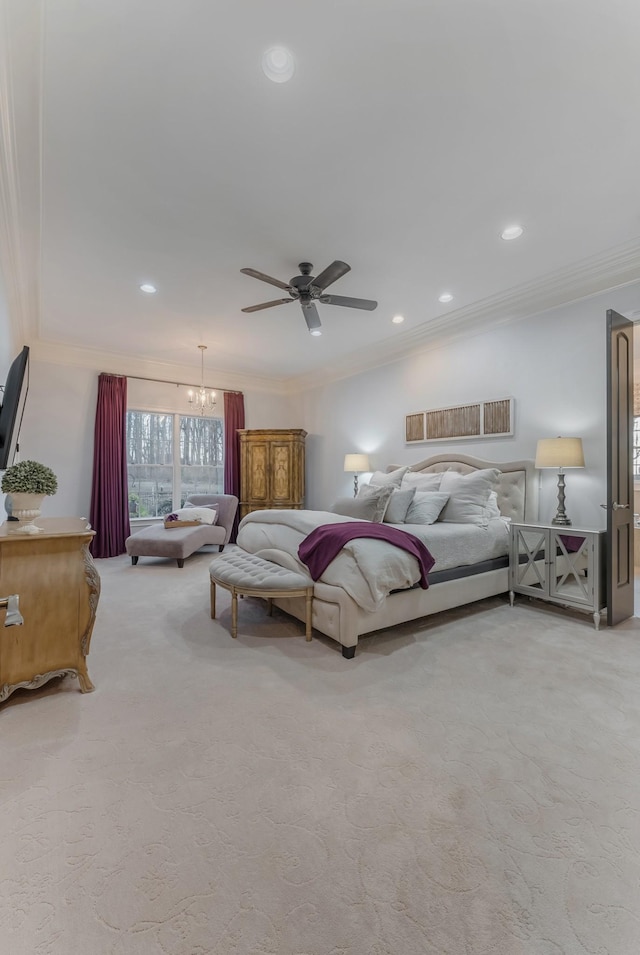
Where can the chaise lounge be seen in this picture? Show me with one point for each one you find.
(178, 543)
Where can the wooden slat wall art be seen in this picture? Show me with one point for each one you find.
(497, 416)
(415, 429)
(482, 419)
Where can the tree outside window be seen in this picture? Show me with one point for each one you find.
(170, 457)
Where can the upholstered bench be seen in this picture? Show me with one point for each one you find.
(253, 576)
(180, 542)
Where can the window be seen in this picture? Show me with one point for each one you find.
(169, 457)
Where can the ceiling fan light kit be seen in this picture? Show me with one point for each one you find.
(308, 289)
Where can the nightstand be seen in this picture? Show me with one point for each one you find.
(564, 565)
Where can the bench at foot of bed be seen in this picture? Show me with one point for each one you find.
(253, 576)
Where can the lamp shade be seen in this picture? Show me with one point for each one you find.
(559, 453)
(357, 463)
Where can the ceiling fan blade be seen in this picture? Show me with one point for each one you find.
(277, 301)
(367, 303)
(311, 316)
(265, 278)
(331, 274)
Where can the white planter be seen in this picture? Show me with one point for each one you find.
(26, 507)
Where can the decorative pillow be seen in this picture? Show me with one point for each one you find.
(468, 496)
(358, 507)
(369, 505)
(204, 515)
(426, 507)
(380, 494)
(399, 504)
(381, 479)
(422, 481)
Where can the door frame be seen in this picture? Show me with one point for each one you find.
(619, 503)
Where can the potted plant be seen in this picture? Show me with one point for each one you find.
(28, 483)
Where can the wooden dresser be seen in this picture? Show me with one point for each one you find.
(55, 577)
(271, 469)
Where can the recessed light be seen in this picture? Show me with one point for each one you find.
(148, 288)
(512, 232)
(278, 64)
(398, 319)
(445, 297)
(316, 332)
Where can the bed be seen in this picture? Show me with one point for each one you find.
(372, 585)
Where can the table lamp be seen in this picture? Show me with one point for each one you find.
(560, 453)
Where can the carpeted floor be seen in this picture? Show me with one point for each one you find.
(467, 786)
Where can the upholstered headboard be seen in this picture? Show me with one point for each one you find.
(517, 487)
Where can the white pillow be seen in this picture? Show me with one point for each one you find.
(209, 507)
(381, 479)
(399, 504)
(203, 515)
(422, 481)
(426, 507)
(492, 507)
(468, 496)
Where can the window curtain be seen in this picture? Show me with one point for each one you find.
(233, 420)
(109, 512)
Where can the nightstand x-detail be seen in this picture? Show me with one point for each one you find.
(564, 565)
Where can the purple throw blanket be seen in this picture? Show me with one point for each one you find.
(571, 543)
(319, 547)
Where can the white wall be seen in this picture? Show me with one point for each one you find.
(59, 421)
(8, 345)
(552, 364)
(57, 430)
(8, 350)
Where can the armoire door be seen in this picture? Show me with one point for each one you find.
(282, 473)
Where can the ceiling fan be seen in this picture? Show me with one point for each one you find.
(308, 289)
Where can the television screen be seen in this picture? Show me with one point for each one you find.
(13, 398)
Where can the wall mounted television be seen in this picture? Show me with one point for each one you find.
(13, 397)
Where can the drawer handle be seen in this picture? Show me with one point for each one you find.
(13, 617)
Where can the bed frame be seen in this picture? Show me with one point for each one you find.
(338, 616)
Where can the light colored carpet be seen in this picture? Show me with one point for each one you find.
(469, 786)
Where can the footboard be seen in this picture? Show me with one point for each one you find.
(338, 616)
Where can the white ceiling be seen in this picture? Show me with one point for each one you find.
(410, 135)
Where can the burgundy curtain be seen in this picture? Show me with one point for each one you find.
(233, 420)
(109, 513)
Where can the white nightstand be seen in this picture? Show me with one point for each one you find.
(564, 565)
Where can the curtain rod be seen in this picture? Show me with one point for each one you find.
(179, 384)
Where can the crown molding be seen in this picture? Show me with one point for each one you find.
(114, 363)
(618, 267)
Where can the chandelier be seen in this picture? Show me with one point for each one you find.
(204, 400)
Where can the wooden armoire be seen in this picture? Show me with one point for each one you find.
(271, 468)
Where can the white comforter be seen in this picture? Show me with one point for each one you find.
(368, 569)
